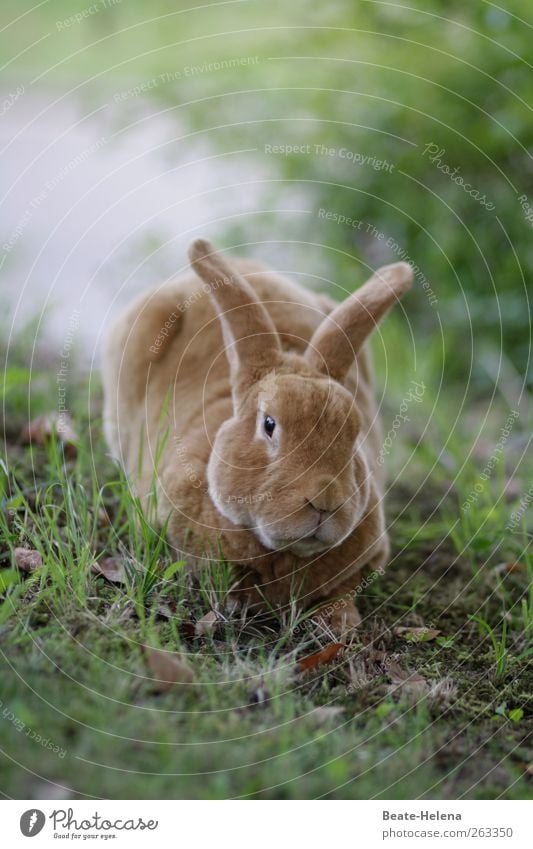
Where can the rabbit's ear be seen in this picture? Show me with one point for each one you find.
(252, 343)
(339, 337)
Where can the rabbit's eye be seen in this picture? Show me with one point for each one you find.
(269, 424)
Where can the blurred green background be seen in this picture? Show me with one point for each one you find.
(372, 82)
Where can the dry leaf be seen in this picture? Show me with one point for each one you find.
(27, 559)
(111, 568)
(206, 624)
(416, 635)
(324, 714)
(412, 682)
(41, 430)
(167, 669)
(506, 568)
(320, 658)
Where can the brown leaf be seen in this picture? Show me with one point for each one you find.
(27, 559)
(41, 430)
(412, 682)
(311, 661)
(416, 635)
(111, 568)
(323, 714)
(167, 669)
(506, 568)
(206, 624)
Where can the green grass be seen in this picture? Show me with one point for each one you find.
(75, 673)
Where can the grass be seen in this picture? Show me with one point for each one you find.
(445, 717)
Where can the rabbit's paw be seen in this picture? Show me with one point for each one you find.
(341, 617)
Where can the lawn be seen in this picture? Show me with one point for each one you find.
(431, 698)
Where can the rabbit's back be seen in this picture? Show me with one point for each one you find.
(169, 343)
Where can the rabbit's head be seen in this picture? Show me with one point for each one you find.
(288, 464)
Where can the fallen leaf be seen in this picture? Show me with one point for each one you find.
(516, 714)
(167, 669)
(529, 768)
(27, 559)
(412, 682)
(327, 654)
(323, 714)
(111, 568)
(41, 430)
(206, 624)
(506, 568)
(416, 635)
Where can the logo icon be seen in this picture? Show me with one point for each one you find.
(32, 822)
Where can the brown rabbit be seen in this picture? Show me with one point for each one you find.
(243, 404)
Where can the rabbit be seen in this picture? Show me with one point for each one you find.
(242, 406)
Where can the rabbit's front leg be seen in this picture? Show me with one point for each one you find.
(340, 614)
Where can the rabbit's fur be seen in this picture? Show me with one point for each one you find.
(193, 369)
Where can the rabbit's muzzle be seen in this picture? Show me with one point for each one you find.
(309, 530)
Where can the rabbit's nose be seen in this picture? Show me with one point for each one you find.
(327, 497)
(317, 505)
